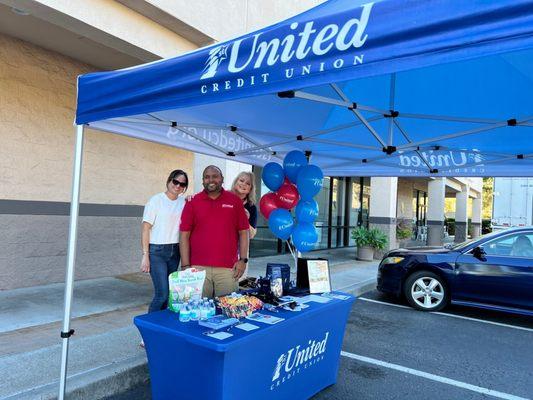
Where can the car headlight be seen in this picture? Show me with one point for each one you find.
(392, 260)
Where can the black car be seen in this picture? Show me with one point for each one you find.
(494, 271)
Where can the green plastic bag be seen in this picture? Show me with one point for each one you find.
(184, 286)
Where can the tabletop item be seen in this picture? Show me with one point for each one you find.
(239, 305)
(184, 286)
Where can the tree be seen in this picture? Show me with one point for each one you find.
(488, 188)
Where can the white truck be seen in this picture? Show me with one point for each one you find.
(513, 202)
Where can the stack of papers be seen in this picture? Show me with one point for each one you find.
(218, 322)
(264, 318)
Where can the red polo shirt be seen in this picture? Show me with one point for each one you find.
(214, 225)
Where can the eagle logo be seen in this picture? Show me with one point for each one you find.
(281, 361)
(216, 56)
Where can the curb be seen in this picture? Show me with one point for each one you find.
(360, 288)
(96, 384)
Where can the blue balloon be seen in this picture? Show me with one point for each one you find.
(309, 182)
(281, 223)
(273, 176)
(306, 211)
(293, 161)
(304, 236)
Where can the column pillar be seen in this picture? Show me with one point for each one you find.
(382, 213)
(476, 216)
(435, 212)
(461, 214)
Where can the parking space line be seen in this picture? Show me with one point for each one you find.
(436, 378)
(451, 315)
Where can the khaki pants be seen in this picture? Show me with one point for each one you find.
(218, 281)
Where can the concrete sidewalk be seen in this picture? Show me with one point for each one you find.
(104, 356)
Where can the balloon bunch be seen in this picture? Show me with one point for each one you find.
(286, 195)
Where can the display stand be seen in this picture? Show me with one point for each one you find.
(293, 359)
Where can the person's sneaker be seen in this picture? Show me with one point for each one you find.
(142, 344)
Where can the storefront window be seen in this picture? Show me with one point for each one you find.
(322, 223)
(337, 211)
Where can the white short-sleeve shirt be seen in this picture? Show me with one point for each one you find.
(164, 215)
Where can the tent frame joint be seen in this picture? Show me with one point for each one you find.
(389, 149)
(392, 114)
(288, 94)
(511, 122)
(66, 335)
(299, 137)
(520, 156)
(230, 154)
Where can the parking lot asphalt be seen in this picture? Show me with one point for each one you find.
(391, 351)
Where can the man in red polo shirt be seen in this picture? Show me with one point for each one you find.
(213, 233)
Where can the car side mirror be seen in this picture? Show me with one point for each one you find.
(479, 253)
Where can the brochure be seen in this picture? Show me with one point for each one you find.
(319, 281)
(315, 298)
(218, 322)
(220, 335)
(335, 296)
(247, 327)
(264, 318)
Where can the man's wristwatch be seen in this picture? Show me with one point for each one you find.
(244, 260)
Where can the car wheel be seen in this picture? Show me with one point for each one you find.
(426, 291)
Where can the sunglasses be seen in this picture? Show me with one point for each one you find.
(178, 183)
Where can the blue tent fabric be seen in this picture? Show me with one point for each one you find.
(389, 88)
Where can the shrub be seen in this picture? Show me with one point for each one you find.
(378, 240)
(361, 236)
(403, 232)
(369, 237)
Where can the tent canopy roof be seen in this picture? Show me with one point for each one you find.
(390, 88)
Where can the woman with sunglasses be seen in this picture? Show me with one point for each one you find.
(160, 233)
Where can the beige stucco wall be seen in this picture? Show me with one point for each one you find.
(405, 199)
(225, 19)
(37, 103)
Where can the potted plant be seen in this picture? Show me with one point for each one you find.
(367, 241)
(403, 232)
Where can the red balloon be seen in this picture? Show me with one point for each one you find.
(268, 203)
(288, 196)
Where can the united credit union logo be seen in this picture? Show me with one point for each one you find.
(305, 40)
(297, 359)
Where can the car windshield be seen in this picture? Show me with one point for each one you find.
(462, 245)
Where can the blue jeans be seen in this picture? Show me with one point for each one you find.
(164, 259)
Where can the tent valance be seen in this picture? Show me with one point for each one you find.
(410, 88)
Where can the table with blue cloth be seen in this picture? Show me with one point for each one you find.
(293, 359)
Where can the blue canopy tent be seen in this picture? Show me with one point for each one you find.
(389, 88)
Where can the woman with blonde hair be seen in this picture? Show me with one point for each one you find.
(244, 187)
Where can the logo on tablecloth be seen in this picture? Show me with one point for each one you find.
(298, 359)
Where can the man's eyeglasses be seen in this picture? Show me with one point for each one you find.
(178, 183)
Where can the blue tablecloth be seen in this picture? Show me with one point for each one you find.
(293, 359)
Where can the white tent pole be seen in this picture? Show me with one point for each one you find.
(360, 116)
(344, 144)
(450, 118)
(71, 257)
(454, 135)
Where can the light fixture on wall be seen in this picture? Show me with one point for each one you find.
(19, 11)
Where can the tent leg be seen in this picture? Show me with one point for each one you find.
(71, 256)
